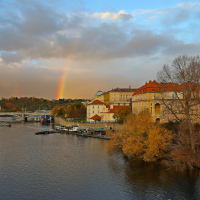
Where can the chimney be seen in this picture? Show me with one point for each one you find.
(129, 87)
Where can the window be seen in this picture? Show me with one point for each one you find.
(144, 103)
(93, 106)
(123, 96)
(118, 104)
(138, 97)
(93, 111)
(98, 107)
(133, 104)
(145, 96)
(133, 98)
(115, 96)
(138, 104)
(141, 103)
(126, 96)
(129, 96)
(141, 97)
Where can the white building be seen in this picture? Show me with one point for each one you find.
(94, 108)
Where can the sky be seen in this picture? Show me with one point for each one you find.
(72, 48)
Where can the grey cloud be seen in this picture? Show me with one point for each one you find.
(11, 57)
(41, 33)
(126, 17)
(175, 16)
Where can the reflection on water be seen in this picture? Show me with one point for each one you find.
(9, 119)
(60, 166)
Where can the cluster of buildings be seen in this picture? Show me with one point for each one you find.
(149, 96)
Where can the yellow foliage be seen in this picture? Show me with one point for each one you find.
(141, 138)
(54, 110)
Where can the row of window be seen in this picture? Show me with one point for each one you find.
(93, 112)
(139, 97)
(137, 111)
(139, 104)
(107, 115)
(123, 96)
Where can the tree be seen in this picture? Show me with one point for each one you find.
(60, 112)
(10, 107)
(70, 111)
(54, 110)
(80, 113)
(140, 138)
(121, 114)
(184, 76)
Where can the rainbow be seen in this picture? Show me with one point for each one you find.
(61, 85)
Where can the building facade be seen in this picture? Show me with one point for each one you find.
(94, 108)
(119, 96)
(156, 97)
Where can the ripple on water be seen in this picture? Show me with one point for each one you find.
(60, 166)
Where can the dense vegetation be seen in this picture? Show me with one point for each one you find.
(32, 104)
(177, 142)
(75, 111)
(142, 139)
(139, 138)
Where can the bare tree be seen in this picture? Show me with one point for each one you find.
(180, 94)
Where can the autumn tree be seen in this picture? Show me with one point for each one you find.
(54, 110)
(121, 114)
(142, 139)
(61, 112)
(184, 77)
(10, 106)
(69, 111)
(80, 113)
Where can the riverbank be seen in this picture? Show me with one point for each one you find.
(106, 125)
(98, 136)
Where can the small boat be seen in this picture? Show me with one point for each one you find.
(8, 125)
(45, 132)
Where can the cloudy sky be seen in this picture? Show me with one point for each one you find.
(82, 46)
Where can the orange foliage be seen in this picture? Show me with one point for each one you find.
(141, 138)
(54, 110)
(10, 106)
(122, 113)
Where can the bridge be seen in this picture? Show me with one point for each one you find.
(25, 115)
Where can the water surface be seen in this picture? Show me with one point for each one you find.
(60, 166)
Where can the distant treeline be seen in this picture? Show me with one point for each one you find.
(75, 111)
(32, 103)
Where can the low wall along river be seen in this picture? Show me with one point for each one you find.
(105, 125)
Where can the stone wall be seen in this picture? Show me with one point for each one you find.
(105, 125)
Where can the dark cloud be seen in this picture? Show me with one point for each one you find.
(176, 16)
(37, 31)
(125, 17)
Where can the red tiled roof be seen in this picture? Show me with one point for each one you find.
(148, 87)
(96, 117)
(156, 87)
(97, 102)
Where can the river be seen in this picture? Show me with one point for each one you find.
(61, 166)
